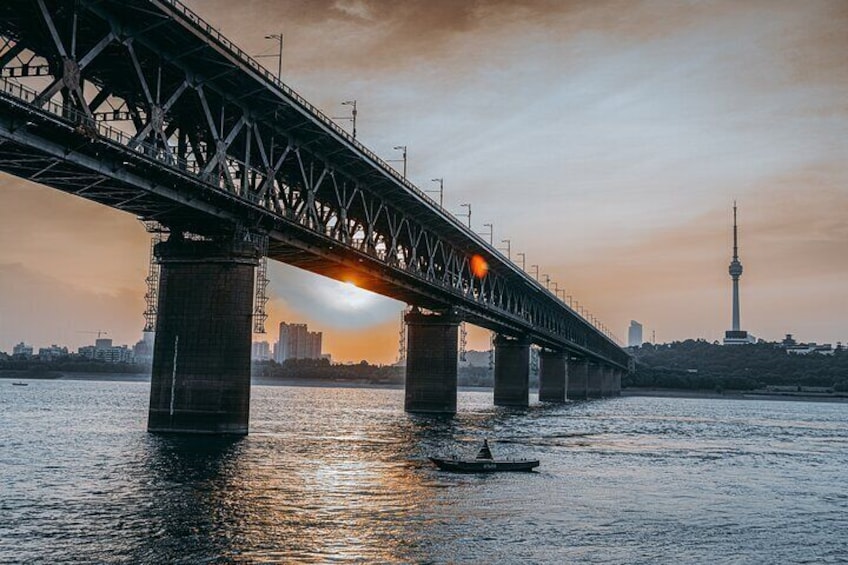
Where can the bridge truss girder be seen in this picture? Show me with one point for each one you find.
(138, 114)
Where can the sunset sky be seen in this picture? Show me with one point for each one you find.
(606, 139)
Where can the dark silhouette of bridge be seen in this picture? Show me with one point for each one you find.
(144, 107)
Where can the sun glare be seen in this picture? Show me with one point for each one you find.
(352, 297)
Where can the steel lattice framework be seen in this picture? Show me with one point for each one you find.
(142, 106)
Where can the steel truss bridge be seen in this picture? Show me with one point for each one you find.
(142, 106)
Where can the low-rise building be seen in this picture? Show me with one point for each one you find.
(103, 350)
(52, 353)
(22, 350)
(790, 345)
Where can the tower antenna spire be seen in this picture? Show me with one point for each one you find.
(735, 245)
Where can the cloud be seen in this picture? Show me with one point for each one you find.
(326, 302)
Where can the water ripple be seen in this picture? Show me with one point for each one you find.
(341, 475)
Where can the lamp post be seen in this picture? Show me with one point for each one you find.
(490, 232)
(508, 250)
(469, 213)
(547, 281)
(523, 260)
(402, 148)
(352, 117)
(536, 269)
(279, 55)
(441, 191)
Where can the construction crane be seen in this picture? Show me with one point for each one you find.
(98, 332)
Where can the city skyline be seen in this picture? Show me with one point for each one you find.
(627, 134)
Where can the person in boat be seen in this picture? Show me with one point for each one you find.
(485, 452)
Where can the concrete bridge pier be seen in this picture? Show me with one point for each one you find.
(595, 380)
(606, 381)
(609, 388)
(431, 362)
(201, 356)
(616, 383)
(611, 372)
(553, 376)
(578, 379)
(512, 371)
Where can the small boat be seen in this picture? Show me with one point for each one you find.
(20, 384)
(484, 463)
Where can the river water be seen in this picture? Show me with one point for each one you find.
(341, 475)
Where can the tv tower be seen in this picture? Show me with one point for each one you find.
(735, 272)
(736, 336)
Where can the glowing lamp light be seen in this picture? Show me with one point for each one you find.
(479, 267)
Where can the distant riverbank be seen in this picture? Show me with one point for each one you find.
(331, 383)
(262, 381)
(73, 376)
(735, 394)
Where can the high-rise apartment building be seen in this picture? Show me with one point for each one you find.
(297, 342)
(634, 334)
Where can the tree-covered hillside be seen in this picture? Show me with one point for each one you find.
(702, 365)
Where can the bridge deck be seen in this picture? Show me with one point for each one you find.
(204, 139)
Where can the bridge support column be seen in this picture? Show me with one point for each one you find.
(616, 383)
(604, 381)
(553, 376)
(431, 362)
(512, 371)
(595, 380)
(201, 354)
(578, 379)
(611, 372)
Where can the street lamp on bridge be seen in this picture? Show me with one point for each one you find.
(441, 191)
(508, 250)
(352, 116)
(490, 232)
(547, 281)
(523, 259)
(469, 213)
(401, 148)
(279, 55)
(536, 269)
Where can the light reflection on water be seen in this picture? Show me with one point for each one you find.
(334, 474)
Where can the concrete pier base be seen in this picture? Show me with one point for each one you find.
(201, 354)
(595, 380)
(616, 383)
(553, 376)
(431, 362)
(578, 379)
(512, 371)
